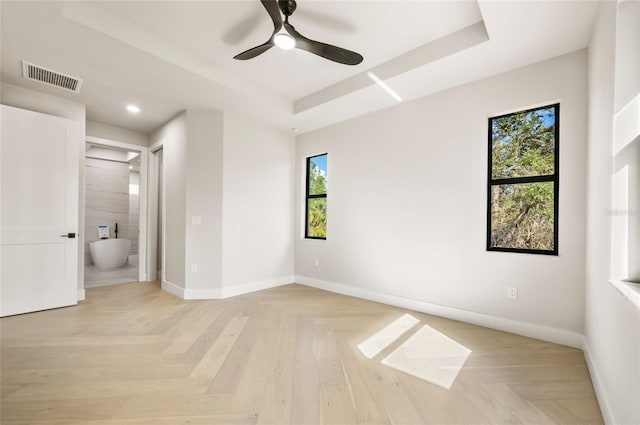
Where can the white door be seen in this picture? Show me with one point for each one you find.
(39, 200)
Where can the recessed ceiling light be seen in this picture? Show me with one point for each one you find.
(134, 109)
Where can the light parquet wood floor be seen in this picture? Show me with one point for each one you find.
(134, 354)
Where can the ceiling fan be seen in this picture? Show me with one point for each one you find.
(286, 37)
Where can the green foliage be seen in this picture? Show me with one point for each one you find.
(523, 144)
(522, 214)
(317, 219)
(317, 182)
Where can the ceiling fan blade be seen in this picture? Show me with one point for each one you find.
(255, 51)
(274, 11)
(327, 51)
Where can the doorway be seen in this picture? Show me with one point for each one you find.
(115, 213)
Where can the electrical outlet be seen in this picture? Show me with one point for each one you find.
(512, 292)
(196, 220)
(194, 268)
(316, 262)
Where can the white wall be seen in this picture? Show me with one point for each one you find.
(203, 199)
(110, 132)
(612, 322)
(407, 201)
(626, 145)
(173, 135)
(236, 175)
(627, 59)
(257, 202)
(99, 152)
(20, 97)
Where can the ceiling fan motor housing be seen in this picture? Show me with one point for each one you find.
(287, 7)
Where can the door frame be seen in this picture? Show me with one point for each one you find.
(152, 211)
(142, 235)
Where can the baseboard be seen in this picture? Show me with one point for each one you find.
(203, 294)
(245, 288)
(225, 291)
(558, 336)
(172, 288)
(81, 294)
(597, 386)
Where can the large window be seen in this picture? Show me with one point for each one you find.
(522, 198)
(316, 199)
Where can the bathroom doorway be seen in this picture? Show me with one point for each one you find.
(115, 208)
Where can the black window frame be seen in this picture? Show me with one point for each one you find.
(554, 178)
(309, 196)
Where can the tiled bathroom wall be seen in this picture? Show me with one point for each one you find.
(107, 201)
(134, 209)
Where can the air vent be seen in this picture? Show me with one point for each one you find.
(50, 77)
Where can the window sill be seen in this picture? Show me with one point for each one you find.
(629, 290)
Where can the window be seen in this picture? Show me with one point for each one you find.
(522, 195)
(316, 199)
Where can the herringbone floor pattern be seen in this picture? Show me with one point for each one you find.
(134, 354)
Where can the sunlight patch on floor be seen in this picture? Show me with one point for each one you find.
(385, 337)
(429, 355)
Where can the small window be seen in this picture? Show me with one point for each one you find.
(522, 199)
(316, 199)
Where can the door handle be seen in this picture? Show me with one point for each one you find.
(69, 235)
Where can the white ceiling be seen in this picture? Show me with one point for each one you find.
(167, 56)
